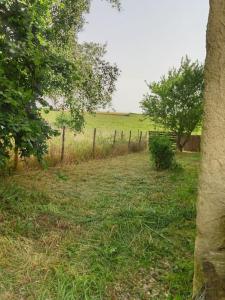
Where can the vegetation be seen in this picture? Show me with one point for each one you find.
(131, 238)
(107, 122)
(162, 152)
(176, 101)
(40, 58)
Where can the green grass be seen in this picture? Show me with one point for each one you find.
(108, 229)
(78, 146)
(108, 122)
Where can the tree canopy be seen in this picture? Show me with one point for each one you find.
(40, 58)
(176, 101)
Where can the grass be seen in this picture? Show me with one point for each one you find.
(108, 122)
(107, 229)
(78, 146)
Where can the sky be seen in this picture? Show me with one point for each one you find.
(145, 39)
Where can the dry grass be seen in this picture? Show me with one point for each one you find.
(79, 148)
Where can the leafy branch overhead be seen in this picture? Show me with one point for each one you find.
(41, 59)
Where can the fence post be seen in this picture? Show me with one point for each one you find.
(114, 138)
(94, 142)
(63, 143)
(146, 139)
(122, 135)
(129, 140)
(139, 143)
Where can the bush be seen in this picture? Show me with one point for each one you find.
(162, 152)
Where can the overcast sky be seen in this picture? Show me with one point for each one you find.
(145, 39)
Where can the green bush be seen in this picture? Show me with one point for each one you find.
(162, 152)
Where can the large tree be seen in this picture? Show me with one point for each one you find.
(175, 101)
(209, 279)
(38, 59)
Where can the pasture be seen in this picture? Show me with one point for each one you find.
(108, 122)
(132, 237)
(79, 146)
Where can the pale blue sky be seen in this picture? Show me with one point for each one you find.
(145, 39)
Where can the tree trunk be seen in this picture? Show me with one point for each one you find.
(63, 143)
(209, 278)
(179, 145)
(184, 139)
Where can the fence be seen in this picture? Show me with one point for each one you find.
(120, 142)
(93, 144)
(172, 136)
(193, 144)
(138, 143)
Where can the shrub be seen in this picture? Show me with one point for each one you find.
(162, 152)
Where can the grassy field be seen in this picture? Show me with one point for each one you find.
(78, 146)
(108, 122)
(111, 229)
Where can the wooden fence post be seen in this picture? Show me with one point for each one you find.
(63, 143)
(122, 135)
(114, 138)
(139, 142)
(129, 140)
(94, 142)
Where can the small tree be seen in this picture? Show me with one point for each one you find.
(176, 101)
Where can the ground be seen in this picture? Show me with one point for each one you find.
(104, 229)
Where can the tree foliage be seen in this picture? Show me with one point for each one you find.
(176, 101)
(41, 58)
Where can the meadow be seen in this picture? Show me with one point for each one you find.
(79, 146)
(109, 122)
(132, 237)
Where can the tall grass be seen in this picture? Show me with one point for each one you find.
(79, 148)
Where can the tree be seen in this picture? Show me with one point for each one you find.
(176, 100)
(209, 279)
(37, 42)
(93, 91)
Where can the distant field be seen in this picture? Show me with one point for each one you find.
(112, 121)
(108, 122)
